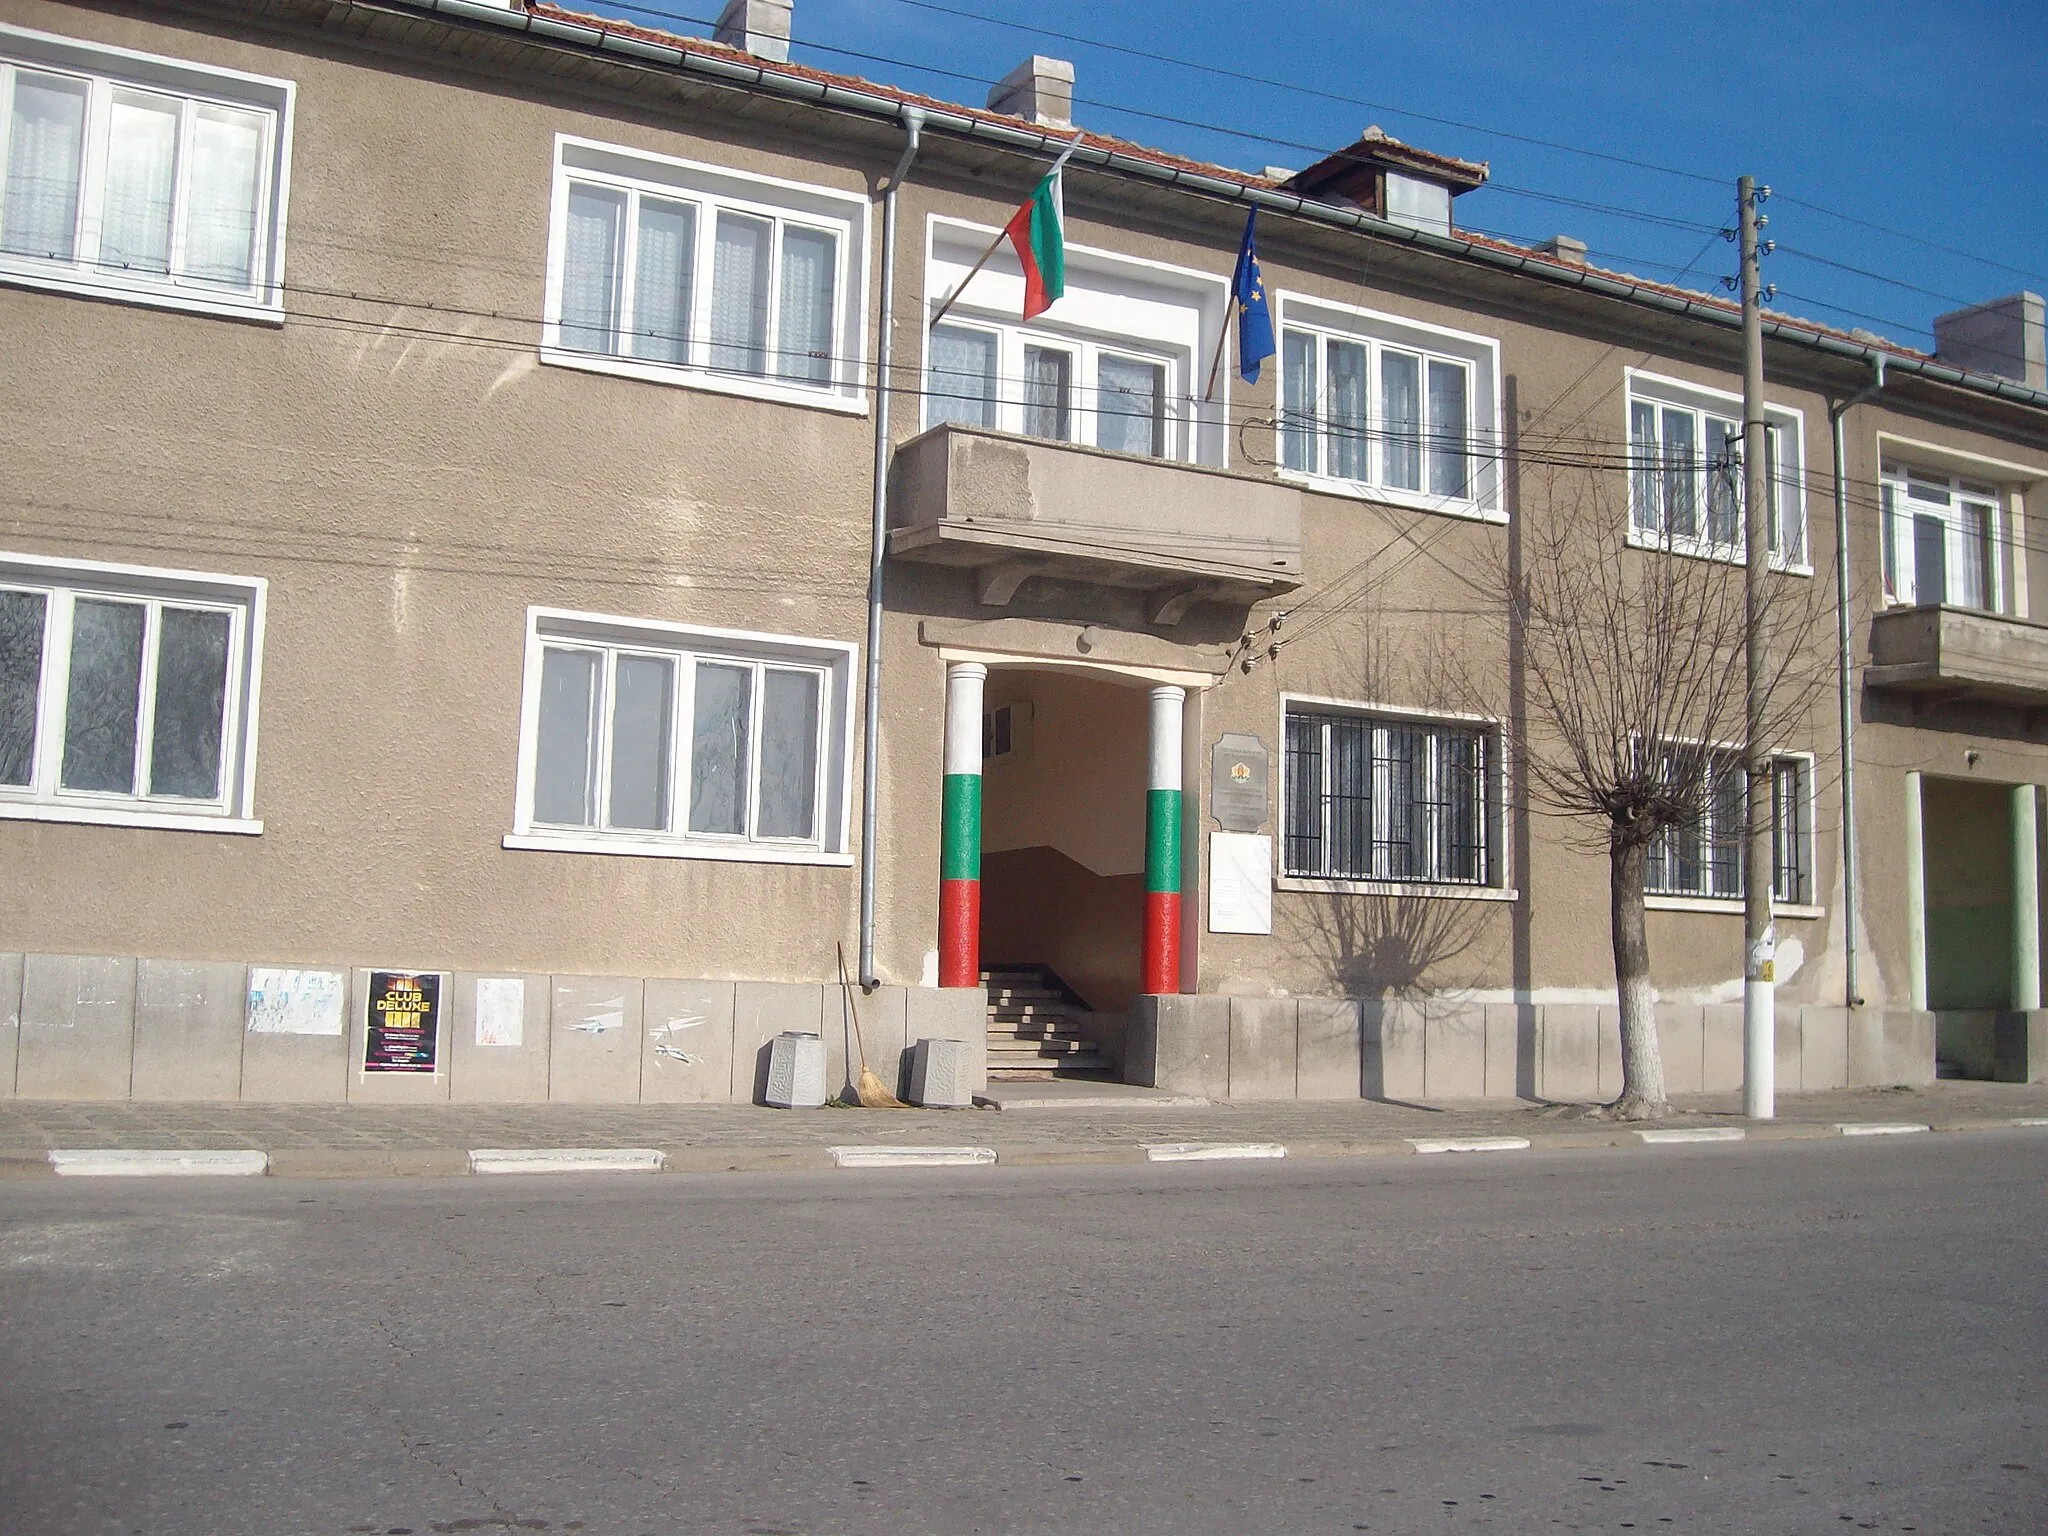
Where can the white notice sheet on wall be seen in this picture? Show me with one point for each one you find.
(500, 1011)
(1240, 882)
(295, 1002)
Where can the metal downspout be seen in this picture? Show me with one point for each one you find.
(1845, 664)
(878, 533)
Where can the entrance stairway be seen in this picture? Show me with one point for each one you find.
(1031, 1026)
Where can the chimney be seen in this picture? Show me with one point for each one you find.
(761, 27)
(1041, 89)
(2008, 337)
(1565, 248)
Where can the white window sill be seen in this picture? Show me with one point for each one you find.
(670, 848)
(1390, 496)
(124, 816)
(1698, 549)
(1727, 906)
(749, 386)
(82, 283)
(1396, 888)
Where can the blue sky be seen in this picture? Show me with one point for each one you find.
(1930, 120)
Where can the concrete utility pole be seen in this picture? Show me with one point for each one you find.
(1759, 973)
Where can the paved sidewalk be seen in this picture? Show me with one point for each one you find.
(345, 1140)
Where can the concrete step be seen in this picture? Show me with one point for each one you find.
(1020, 1036)
(1082, 1066)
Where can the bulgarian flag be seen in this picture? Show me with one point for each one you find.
(1038, 231)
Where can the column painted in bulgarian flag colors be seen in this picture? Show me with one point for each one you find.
(960, 829)
(1162, 844)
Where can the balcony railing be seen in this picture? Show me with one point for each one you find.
(1959, 653)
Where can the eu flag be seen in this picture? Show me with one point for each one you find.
(1254, 319)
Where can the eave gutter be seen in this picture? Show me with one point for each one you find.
(796, 88)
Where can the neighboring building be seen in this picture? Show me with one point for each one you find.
(481, 399)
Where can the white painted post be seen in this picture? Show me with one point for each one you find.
(1916, 900)
(2026, 902)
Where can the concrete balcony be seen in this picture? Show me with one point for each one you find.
(1959, 653)
(1009, 508)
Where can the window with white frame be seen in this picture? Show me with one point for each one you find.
(655, 736)
(1376, 402)
(1705, 857)
(668, 269)
(1371, 797)
(1940, 538)
(1686, 476)
(124, 693)
(1065, 387)
(140, 177)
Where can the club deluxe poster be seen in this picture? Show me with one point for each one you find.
(404, 1023)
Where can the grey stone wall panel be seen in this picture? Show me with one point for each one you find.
(189, 1017)
(77, 1027)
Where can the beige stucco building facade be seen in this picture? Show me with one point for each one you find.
(443, 447)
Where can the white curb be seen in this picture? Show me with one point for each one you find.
(564, 1160)
(912, 1157)
(1693, 1133)
(1879, 1128)
(2033, 1120)
(1210, 1151)
(1426, 1144)
(111, 1163)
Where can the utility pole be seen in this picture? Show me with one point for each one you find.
(1759, 972)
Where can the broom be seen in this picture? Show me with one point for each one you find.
(867, 1087)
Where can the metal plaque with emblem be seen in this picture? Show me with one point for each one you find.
(1237, 782)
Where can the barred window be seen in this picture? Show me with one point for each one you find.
(1379, 799)
(1705, 857)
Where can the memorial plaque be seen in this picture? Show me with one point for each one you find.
(404, 1025)
(1237, 782)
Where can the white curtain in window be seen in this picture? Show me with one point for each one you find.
(962, 387)
(1401, 418)
(810, 259)
(1129, 408)
(142, 174)
(590, 269)
(1048, 392)
(45, 143)
(1298, 401)
(1347, 410)
(1449, 463)
(739, 294)
(222, 191)
(663, 271)
(788, 797)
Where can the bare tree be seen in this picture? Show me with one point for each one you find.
(1633, 660)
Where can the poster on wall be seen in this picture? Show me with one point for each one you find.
(287, 1002)
(1240, 883)
(404, 1025)
(501, 1011)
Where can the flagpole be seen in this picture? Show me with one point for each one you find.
(1222, 337)
(1001, 234)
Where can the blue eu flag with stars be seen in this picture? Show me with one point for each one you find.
(1254, 319)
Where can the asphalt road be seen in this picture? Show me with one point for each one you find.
(1807, 1337)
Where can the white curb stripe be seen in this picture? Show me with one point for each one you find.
(1426, 1144)
(112, 1163)
(1210, 1151)
(1879, 1128)
(1694, 1133)
(912, 1157)
(564, 1160)
(2033, 1120)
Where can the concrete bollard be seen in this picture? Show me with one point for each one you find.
(939, 1072)
(796, 1071)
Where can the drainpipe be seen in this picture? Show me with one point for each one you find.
(1844, 673)
(878, 533)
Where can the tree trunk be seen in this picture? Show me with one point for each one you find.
(1642, 1064)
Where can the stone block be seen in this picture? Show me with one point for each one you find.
(1453, 1049)
(1265, 1048)
(367, 1087)
(1823, 1048)
(882, 1016)
(594, 1040)
(1181, 1042)
(295, 1046)
(1681, 1040)
(687, 1054)
(1571, 1052)
(1327, 1036)
(498, 1037)
(1505, 1024)
(2037, 1047)
(1394, 1048)
(761, 1010)
(796, 1072)
(1787, 1034)
(77, 1027)
(951, 1013)
(188, 1029)
(939, 1074)
(1889, 1048)
(1721, 1048)
(10, 1021)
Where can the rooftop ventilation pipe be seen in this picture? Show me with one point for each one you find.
(760, 27)
(2007, 337)
(1040, 89)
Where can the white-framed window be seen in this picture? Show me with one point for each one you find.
(1686, 477)
(132, 176)
(1940, 538)
(1377, 797)
(1705, 859)
(657, 738)
(671, 270)
(127, 695)
(1066, 387)
(1373, 403)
